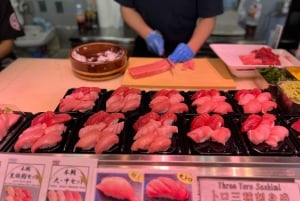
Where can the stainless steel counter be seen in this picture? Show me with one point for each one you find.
(245, 167)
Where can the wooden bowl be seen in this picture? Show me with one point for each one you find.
(98, 60)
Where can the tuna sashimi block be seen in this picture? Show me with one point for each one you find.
(150, 69)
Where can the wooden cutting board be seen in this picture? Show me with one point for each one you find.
(208, 74)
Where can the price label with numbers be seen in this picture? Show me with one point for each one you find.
(136, 175)
(247, 190)
(185, 177)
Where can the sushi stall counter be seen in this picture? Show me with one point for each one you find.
(37, 85)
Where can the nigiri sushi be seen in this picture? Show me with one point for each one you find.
(117, 187)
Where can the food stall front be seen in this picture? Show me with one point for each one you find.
(38, 85)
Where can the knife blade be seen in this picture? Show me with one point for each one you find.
(172, 65)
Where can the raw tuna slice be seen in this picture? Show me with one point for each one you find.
(251, 122)
(161, 143)
(296, 125)
(221, 135)
(117, 187)
(164, 187)
(106, 141)
(200, 134)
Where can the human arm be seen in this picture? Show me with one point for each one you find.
(135, 21)
(6, 47)
(202, 31)
(153, 38)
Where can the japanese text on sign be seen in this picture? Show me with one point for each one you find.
(233, 190)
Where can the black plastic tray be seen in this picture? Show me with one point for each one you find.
(59, 148)
(129, 113)
(192, 109)
(284, 148)
(98, 103)
(176, 148)
(210, 147)
(149, 96)
(239, 109)
(73, 139)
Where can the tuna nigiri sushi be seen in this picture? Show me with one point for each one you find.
(117, 187)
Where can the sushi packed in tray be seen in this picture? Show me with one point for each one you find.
(45, 132)
(90, 120)
(11, 122)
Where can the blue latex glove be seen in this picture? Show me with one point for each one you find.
(155, 43)
(181, 53)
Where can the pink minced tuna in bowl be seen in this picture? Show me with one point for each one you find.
(98, 57)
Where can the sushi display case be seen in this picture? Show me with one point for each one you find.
(211, 162)
(185, 120)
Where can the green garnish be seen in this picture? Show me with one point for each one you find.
(273, 74)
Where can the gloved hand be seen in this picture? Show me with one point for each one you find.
(181, 53)
(155, 43)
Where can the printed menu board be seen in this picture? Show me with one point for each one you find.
(39, 178)
(69, 180)
(247, 190)
(142, 184)
(23, 178)
(45, 178)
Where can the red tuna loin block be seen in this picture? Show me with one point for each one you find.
(150, 69)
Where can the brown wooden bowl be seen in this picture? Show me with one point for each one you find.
(98, 57)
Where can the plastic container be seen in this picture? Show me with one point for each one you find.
(91, 16)
(80, 19)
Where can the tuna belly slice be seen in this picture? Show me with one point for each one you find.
(161, 143)
(221, 135)
(200, 134)
(143, 142)
(29, 137)
(259, 134)
(89, 140)
(164, 187)
(117, 187)
(105, 142)
(46, 141)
